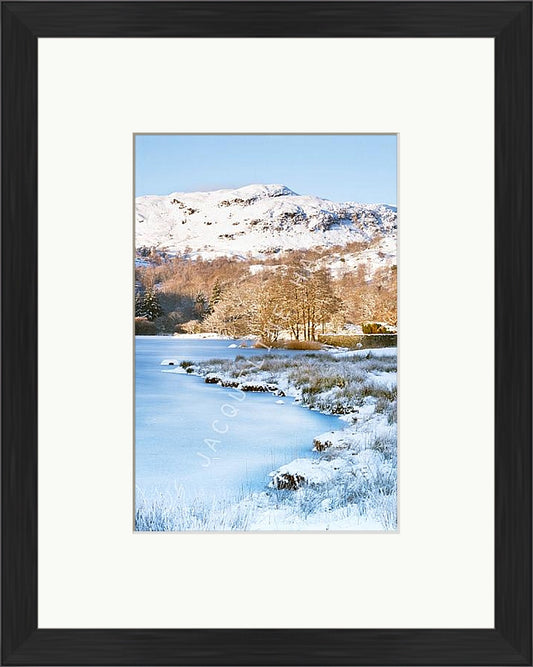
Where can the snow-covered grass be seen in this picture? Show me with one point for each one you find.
(323, 381)
(365, 493)
(170, 513)
(350, 485)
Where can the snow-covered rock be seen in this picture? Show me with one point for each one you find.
(339, 439)
(247, 385)
(302, 472)
(257, 386)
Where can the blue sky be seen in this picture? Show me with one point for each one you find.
(339, 167)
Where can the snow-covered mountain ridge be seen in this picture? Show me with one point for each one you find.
(259, 219)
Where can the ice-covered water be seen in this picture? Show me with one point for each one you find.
(180, 420)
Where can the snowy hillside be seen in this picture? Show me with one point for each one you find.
(260, 219)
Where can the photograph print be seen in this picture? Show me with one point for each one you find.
(265, 332)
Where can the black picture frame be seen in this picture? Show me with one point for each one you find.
(509, 642)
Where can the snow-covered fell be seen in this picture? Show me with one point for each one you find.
(259, 219)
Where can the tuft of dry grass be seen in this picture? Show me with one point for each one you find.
(297, 345)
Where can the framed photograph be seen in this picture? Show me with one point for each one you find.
(266, 333)
(252, 302)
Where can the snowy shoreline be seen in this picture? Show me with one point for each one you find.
(351, 484)
(206, 335)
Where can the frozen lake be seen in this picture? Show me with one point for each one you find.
(180, 418)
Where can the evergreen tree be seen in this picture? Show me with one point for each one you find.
(139, 305)
(216, 295)
(201, 307)
(151, 306)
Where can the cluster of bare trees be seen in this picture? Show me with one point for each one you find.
(370, 297)
(295, 299)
